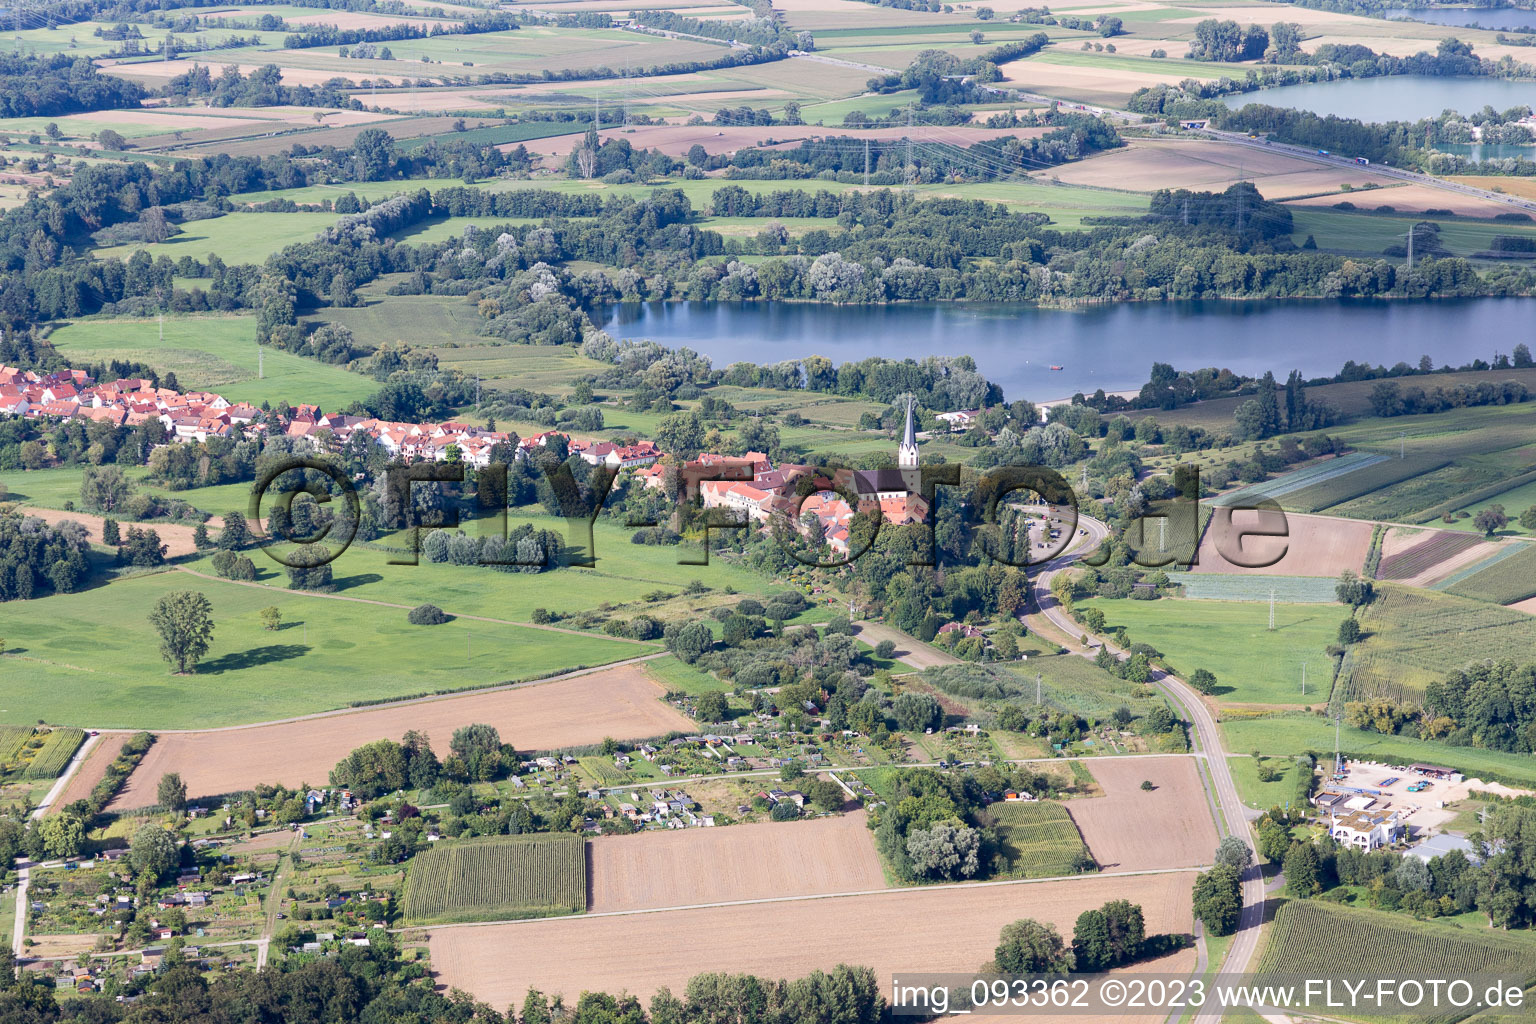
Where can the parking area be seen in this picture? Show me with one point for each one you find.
(1422, 795)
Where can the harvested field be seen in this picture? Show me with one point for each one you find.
(743, 862)
(1419, 557)
(93, 770)
(1416, 198)
(1528, 606)
(160, 71)
(176, 538)
(948, 928)
(621, 702)
(1310, 546)
(1194, 164)
(1129, 829)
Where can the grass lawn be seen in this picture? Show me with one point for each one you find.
(1232, 639)
(237, 237)
(51, 488)
(1296, 732)
(214, 353)
(1515, 501)
(1369, 234)
(624, 572)
(92, 659)
(680, 676)
(1263, 795)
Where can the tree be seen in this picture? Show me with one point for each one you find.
(109, 533)
(171, 792)
(184, 620)
(917, 712)
(1147, 786)
(426, 615)
(142, 548)
(1203, 680)
(236, 534)
(680, 434)
(271, 617)
(711, 707)
(154, 226)
(1029, 947)
(885, 650)
(471, 741)
(63, 835)
(691, 641)
(1090, 942)
(1354, 590)
(1349, 632)
(947, 850)
(104, 488)
(1274, 840)
(1218, 900)
(1491, 520)
(1233, 853)
(200, 536)
(1303, 870)
(153, 851)
(978, 36)
(109, 139)
(1528, 519)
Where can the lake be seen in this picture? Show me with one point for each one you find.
(1110, 346)
(1393, 97)
(1485, 17)
(1487, 150)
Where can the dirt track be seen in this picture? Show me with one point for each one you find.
(619, 702)
(926, 929)
(742, 862)
(1129, 829)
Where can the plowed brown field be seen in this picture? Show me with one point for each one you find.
(944, 928)
(1130, 829)
(621, 702)
(743, 862)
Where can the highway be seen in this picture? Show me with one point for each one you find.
(1207, 743)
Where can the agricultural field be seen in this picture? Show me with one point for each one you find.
(1308, 935)
(692, 867)
(1289, 589)
(1314, 474)
(498, 878)
(328, 652)
(1413, 637)
(619, 702)
(1414, 555)
(1266, 542)
(642, 953)
(1506, 581)
(1514, 501)
(216, 353)
(54, 750)
(1039, 839)
(1252, 663)
(1116, 826)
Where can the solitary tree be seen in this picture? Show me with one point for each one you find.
(172, 792)
(153, 851)
(104, 488)
(1233, 853)
(1203, 680)
(271, 617)
(1491, 520)
(1349, 632)
(184, 620)
(711, 707)
(236, 534)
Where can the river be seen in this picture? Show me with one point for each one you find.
(1394, 97)
(1110, 346)
(1484, 17)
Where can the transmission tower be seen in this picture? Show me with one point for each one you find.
(1271, 610)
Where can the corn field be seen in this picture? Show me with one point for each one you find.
(500, 878)
(53, 756)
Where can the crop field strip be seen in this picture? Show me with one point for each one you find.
(1289, 483)
(1505, 579)
(1039, 838)
(1308, 938)
(13, 739)
(1416, 636)
(1457, 578)
(1289, 589)
(501, 878)
(1424, 555)
(1366, 480)
(53, 756)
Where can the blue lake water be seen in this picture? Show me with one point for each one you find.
(1110, 347)
(1394, 97)
(1486, 17)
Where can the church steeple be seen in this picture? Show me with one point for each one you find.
(906, 455)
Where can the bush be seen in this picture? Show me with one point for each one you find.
(427, 615)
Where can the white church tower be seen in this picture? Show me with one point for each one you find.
(906, 455)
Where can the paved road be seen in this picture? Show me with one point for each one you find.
(1207, 736)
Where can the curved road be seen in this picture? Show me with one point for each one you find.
(1208, 748)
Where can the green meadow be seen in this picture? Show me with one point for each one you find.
(92, 659)
(1253, 665)
(214, 353)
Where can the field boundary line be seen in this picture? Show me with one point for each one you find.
(812, 896)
